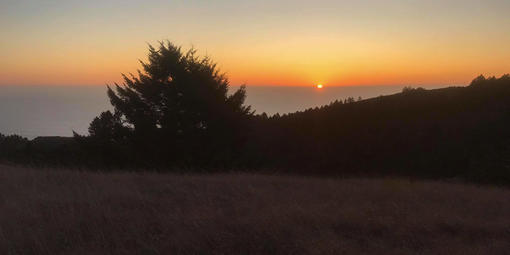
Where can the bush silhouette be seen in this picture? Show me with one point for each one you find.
(176, 110)
(12, 146)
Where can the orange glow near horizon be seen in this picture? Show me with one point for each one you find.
(340, 43)
(105, 67)
(276, 65)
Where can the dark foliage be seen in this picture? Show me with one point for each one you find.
(12, 146)
(442, 133)
(41, 150)
(177, 111)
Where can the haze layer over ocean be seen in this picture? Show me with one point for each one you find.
(33, 111)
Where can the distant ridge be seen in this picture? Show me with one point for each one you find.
(447, 132)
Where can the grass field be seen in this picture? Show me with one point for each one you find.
(46, 211)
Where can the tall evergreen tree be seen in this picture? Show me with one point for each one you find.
(178, 109)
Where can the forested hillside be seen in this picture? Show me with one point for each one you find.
(456, 132)
(450, 132)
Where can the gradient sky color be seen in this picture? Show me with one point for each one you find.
(277, 42)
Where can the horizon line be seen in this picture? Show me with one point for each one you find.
(254, 85)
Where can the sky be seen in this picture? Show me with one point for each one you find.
(277, 42)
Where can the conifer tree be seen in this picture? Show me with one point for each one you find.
(178, 107)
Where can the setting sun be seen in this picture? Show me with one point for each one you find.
(320, 86)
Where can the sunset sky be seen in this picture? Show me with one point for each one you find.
(277, 42)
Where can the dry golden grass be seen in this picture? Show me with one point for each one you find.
(69, 212)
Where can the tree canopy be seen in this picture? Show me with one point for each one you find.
(178, 107)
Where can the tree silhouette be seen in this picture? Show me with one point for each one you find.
(178, 109)
(478, 81)
(108, 127)
(11, 145)
(454, 132)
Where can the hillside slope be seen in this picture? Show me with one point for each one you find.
(456, 132)
(48, 211)
(440, 133)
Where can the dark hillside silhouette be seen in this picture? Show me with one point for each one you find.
(177, 113)
(451, 132)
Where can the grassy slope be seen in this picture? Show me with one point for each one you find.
(68, 212)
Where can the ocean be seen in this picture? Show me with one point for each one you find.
(33, 111)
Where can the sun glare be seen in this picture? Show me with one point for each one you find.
(320, 86)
